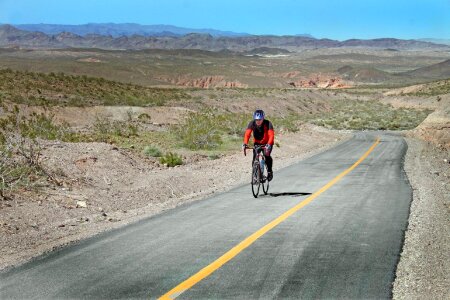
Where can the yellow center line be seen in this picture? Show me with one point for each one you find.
(208, 270)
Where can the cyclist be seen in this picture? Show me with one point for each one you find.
(263, 134)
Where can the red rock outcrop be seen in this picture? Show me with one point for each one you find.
(205, 82)
(321, 81)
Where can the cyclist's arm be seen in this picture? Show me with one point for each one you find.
(271, 134)
(248, 133)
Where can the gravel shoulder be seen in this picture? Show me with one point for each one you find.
(423, 269)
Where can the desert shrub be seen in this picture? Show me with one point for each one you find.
(233, 124)
(171, 159)
(368, 115)
(206, 129)
(144, 117)
(289, 123)
(152, 151)
(43, 126)
(133, 129)
(15, 171)
(102, 126)
(200, 131)
(213, 156)
(34, 126)
(20, 150)
(104, 129)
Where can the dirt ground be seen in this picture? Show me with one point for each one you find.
(110, 187)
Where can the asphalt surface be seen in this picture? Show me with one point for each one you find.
(344, 244)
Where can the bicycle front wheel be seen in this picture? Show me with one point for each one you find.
(256, 179)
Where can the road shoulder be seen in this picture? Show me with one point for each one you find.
(422, 272)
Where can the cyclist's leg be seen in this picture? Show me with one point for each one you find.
(269, 163)
(269, 160)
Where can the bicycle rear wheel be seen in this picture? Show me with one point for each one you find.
(256, 179)
(264, 180)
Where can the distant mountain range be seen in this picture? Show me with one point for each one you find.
(124, 29)
(11, 36)
(436, 41)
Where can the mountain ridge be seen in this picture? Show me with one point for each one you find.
(122, 29)
(11, 36)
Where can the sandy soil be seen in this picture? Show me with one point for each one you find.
(109, 187)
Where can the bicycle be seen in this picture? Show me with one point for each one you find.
(259, 171)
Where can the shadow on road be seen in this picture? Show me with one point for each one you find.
(288, 194)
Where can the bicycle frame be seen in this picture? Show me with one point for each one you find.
(258, 168)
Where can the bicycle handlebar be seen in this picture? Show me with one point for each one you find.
(254, 148)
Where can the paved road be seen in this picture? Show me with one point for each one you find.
(343, 244)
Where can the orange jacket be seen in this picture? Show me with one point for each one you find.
(262, 135)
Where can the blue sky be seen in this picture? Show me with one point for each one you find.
(336, 19)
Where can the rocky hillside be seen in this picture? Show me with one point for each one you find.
(363, 74)
(373, 75)
(436, 71)
(434, 95)
(14, 37)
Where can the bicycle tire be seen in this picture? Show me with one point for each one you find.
(256, 179)
(264, 180)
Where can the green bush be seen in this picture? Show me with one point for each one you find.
(233, 123)
(200, 131)
(104, 129)
(15, 171)
(288, 123)
(144, 117)
(171, 159)
(43, 126)
(20, 150)
(152, 151)
(34, 126)
(206, 129)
